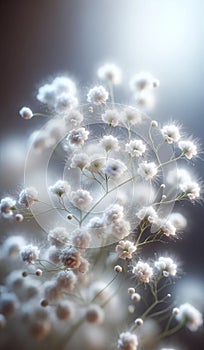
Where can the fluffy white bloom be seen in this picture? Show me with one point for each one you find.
(192, 189)
(178, 220)
(110, 143)
(111, 117)
(81, 239)
(115, 168)
(26, 113)
(135, 148)
(191, 316)
(66, 280)
(14, 280)
(127, 341)
(171, 133)
(188, 148)
(131, 115)
(52, 292)
(113, 213)
(30, 253)
(28, 196)
(60, 187)
(65, 102)
(96, 164)
(12, 245)
(94, 314)
(64, 84)
(110, 72)
(70, 257)
(143, 271)
(97, 95)
(7, 205)
(80, 160)
(178, 176)
(167, 265)
(145, 99)
(125, 249)
(8, 304)
(166, 227)
(143, 81)
(97, 224)
(148, 213)
(80, 198)
(47, 94)
(147, 170)
(78, 136)
(73, 118)
(120, 229)
(64, 310)
(58, 236)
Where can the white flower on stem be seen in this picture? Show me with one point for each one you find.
(30, 253)
(125, 249)
(7, 205)
(73, 118)
(188, 148)
(192, 318)
(47, 94)
(80, 198)
(26, 113)
(135, 148)
(148, 213)
(166, 227)
(166, 265)
(64, 84)
(64, 310)
(52, 292)
(66, 280)
(65, 102)
(96, 164)
(171, 133)
(70, 257)
(113, 214)
(28, 196)
(178, 220)
(8, 304)
(114, 168)
(97, 95)
(12, 245)
(110, 143)
(127, 341)
(80, 160)
(60, 188)
(94, 314)
(110, 73)
(111, 117)
(120, 229)
(191, 189)
(147, 170)
(81, 238)
(143, 271)
(178, 176)
(97, 224)
(131, 115)
(77, 136)
(143, 81)
(145, 99)
(58, 236)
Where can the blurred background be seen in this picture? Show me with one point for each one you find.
(43, 38)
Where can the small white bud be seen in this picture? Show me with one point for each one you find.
(26, 113)
(131, 290)
(136, 297)
(163, 197)
(139, 322)
(19, 217)
(154, 123)
(38, 272)
(118, 269)
(69, 216)
(163, 186)
(175, 311)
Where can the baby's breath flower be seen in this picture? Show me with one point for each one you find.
(120, 229)
(148, 213)
(12, 246)
(60, 188)
(94, 314)
(97, 95)
(114, 168)
(70, 257)
(80, 160)
(81, 238)
(26, 113)
(171, 133)
(111, 117)
(66, 280)
(80, 198)
(64, 310)
(73, 118)
(188, 148)
(110, 143)
(191, 188)
(178, 176)
(28, 196)
(131, 115)
(113, 214)
(166, 227)
(143, 81)
(135, 148)
(30, 253)
(191, 316)
(96, 164)
(135, 297)
(167, 265)
(19, 217)
(7, 205)
(178, 220)
(127, 341)
(125, 249)
(64, 103)
(58, 236)
(147, 170)
(143, 271)
(77, 137)
(52, 292)
(110, 72)
(8, 304)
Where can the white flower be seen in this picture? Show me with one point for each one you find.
(143, 81)
(81, 239)
(58, 236)
(166, 227)
(97, 95)
(28, 196)
(131, 115)
(47, 94)
(110, 73)
(64, 85)
(64, 310)
(171, 133)
(111, 117)
(52, 292)
(12, 245)
(145, 99)
(167, 265)
(74, 118)
(80, 160)
(60, 187)
(188, 148)
(26, 113)
(66, 280)
(113, 214)
(191, 189)
(94, 314)
(148, 213)
(178, 176)
(30, 253)
(191, 316)
(135, 148)
(77, 136)
(178, 220)
(114, 168)
(8, 304)
(110, 143)
(80, 198)
(120, 229)
(125, 249)
(96, 164)
(97, 224)
(147, 170)
(143, 271)
(70, 257)
(7, 205)
(127, 341)
(65, 102)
